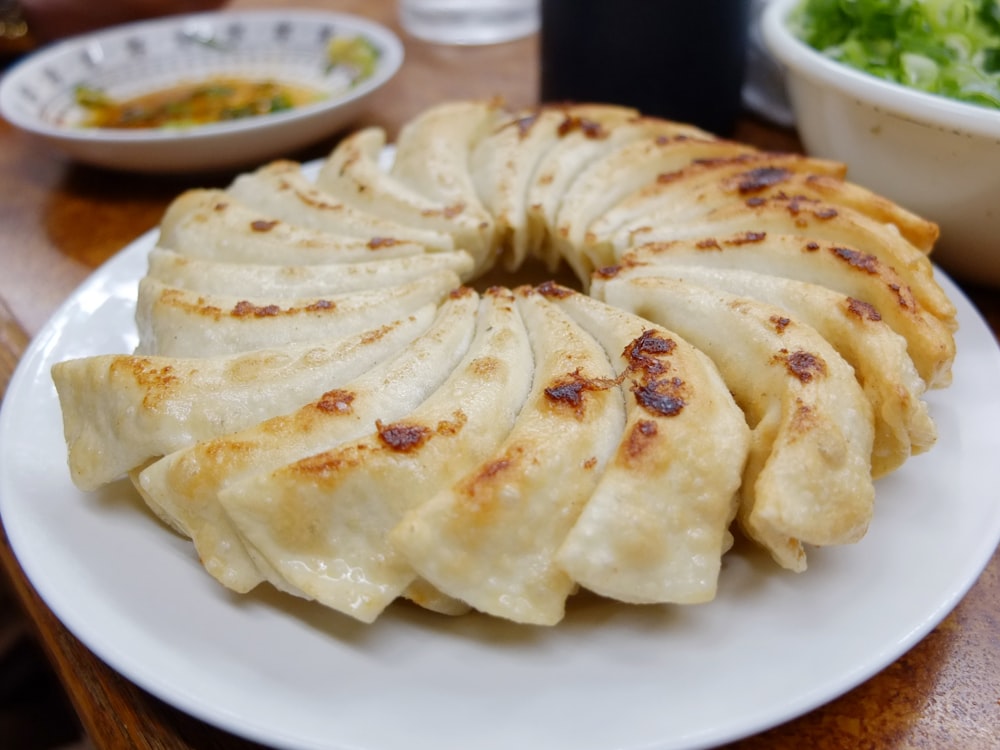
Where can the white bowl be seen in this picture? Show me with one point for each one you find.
(936, 156)
(37, 95)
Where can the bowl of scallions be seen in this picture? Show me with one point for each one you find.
(907, 94)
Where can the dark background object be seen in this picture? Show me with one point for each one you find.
(684, 60)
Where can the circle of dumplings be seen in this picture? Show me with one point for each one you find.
(321, 400)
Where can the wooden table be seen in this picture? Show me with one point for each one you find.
(60, 220)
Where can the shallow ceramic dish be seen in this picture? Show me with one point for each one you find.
(936, 156)
(38, 95)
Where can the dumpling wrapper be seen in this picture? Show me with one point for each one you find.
(292, 281)
(120, 411)
(214, 225)
(282, 190)
(657, 524)
(184, 486)
(354, 174)
(491, 540)
(808, 477)
(323, 523)
(178, 323)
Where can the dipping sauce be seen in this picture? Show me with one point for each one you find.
(217, 99)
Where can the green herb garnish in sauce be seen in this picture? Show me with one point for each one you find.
(355, 53)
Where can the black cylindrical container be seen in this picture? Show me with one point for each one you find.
(680, 59)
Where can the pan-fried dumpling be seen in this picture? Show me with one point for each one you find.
(503, 164)
(353, 174)
(903, 426)
(184, 486)
(213, 225)
(605, 182)
(856, 274)
(433, 149)
(820, 223)
(119, 411)
(694, 190)
(657, 524)
(178, 323)
(583, 145)
(808, 477)
(432, 157)
(281, 189)
(323, 523)
(492, 539)
(292, 281)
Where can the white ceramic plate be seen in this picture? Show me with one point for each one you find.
(773, 645)
(290, 46)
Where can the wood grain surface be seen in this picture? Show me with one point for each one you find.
(59, 221)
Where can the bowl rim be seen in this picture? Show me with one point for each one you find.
(387, 67)
(886, 96)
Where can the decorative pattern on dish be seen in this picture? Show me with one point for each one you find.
(754, 348)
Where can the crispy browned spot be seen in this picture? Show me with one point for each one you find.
(662, 397)
(640, 437)
(709, 243)
(460, 291)
(857, 259)
(336, 402)
(320, 304)
(642, 353)
(245, 309)
(572, 388)
(608, 272)
(553, 290)
(589, 128)
(863, 310)
(156, 381)
(747, 238)
(803, 419)
(804, 365)
(370, 337)
(262, 225)
(402, 437)
(780, 323)
(761, 178)
(332, 462)
(453, 426)
(484, 366)
(376, 243)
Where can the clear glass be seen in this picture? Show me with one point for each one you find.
(469, 21)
